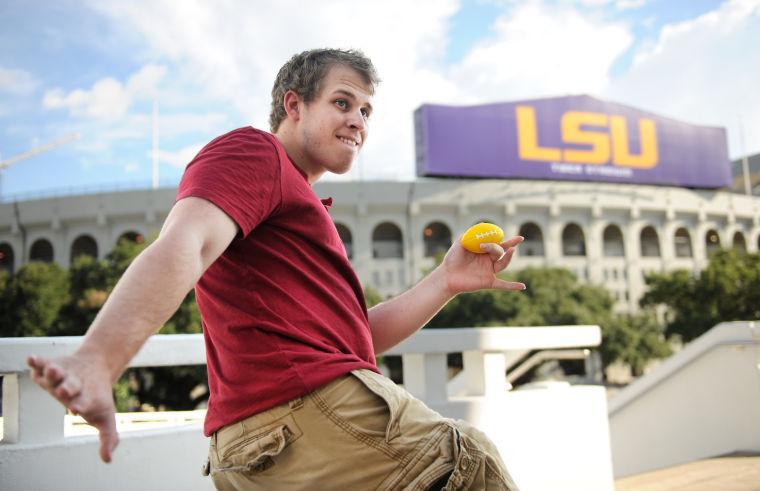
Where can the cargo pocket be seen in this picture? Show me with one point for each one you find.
(360, 407)
(255, 454)
(387, 392)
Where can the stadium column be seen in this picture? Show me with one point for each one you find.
(595, 249)
(633, 259)
(553, 242)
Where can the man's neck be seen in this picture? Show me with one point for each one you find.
(292, 147)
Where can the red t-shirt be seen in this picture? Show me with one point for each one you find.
(283, 311)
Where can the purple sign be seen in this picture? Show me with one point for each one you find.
(569, 138)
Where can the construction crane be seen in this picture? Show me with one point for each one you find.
(4, 164)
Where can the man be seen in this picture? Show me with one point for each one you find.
(296, 401)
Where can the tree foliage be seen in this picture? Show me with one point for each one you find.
(371, 296)
(727, 290)
(43, 299)
(554, 297)
(634, 340)
(32, 299)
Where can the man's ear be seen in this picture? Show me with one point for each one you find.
(292, 103)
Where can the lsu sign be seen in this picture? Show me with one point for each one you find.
(576, 138)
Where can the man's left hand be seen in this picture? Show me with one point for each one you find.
(466, 271)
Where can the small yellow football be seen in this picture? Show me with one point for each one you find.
(481, 233)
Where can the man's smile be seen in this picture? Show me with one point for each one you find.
(349, 141)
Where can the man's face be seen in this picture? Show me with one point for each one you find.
(333, 127)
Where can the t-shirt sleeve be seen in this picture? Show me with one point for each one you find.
(240, 173)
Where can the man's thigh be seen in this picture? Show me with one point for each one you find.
(330, 439)
(360, 431)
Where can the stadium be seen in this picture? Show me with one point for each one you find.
(607, 191)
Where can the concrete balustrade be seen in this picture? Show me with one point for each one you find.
(702, 402)
(551, 438)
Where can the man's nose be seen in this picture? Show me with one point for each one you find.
(357, 121)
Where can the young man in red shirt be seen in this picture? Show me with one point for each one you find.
(296, 400)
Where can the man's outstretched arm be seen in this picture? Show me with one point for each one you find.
(194, 235)
(461, 271)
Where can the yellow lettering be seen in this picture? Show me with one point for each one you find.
(527, 137)
(621, 155)
(572, 133)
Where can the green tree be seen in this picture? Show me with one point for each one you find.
(634, 340)
(554, 297)
(727, 290)
(371, 297)
(32, 299)
(89, 287)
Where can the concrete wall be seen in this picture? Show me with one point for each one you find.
(526, 427)
(550, 438)
(702, 402)
(145, 460)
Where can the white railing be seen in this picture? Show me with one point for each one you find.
(30, 415)
(549, 438)
(701, 402)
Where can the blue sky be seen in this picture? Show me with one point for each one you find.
(95, 68)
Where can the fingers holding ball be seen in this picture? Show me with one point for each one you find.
(482, 233)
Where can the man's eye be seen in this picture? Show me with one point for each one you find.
(341, 103)
(365, 113)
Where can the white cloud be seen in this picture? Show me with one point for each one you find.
(131, 167)
(702, 71)
(183, 123)
(542, 51)
(232, 52)
(17, 82)
(229, 53)
(108, 99)
(144, 83)
(629, 4)
(180, 158)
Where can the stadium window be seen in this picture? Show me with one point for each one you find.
(740, 244)
(437, 239)
(533, 245)
(682, 243)
(613, 241)
(6, 258)
(712, 241)
(573, 241)
(650, 242)
(345, 236)
(84, 245)
(387, 242)
(42, 250)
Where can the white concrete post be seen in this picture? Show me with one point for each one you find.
(30, 415)
(426, 376)
(485, 373)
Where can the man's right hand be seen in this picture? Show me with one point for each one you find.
(85, 388)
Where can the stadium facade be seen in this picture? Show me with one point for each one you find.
(607, 191)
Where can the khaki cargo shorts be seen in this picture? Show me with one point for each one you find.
(359, 432)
